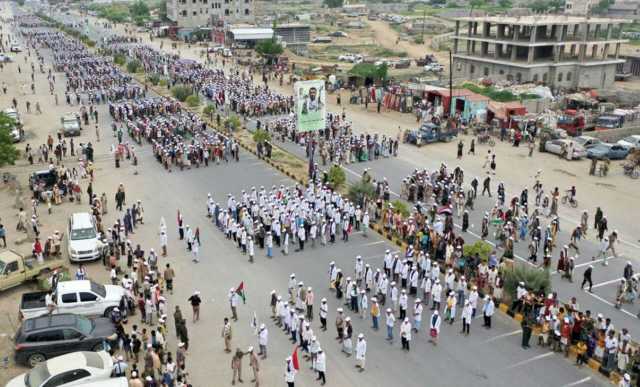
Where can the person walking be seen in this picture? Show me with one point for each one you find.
(195, 305)
(321, 366)
(434, 327)
(233, 303)
(263, 339)
(467, 311)
(289, 372)
(586, 278)
(324, 310)
(405, 333)
(226, 335)
(488, 309)
(391, 319)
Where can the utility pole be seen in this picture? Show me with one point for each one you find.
(450, 83)
(424, 19)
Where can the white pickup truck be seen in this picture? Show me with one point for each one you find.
(85, 298)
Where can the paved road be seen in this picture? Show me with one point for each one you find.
(487, 357)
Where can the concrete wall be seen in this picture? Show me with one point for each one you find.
(572, 76)
(613, 135)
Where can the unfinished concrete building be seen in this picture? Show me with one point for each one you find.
(559, 51)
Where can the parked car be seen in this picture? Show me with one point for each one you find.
(113, 382)
(70, 124)
(587, 141)
(17, 131)
(5, 58)
(339, 34)
(16, 269)
(16, 48)
(434, 67)
(46, 177)
(85, 298)
(84, 241)
(321, 39)
(557, 147)
(610, 151)
(73, 369)
(42, 338)
(631, 142)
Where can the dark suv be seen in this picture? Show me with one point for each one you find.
(42, 338)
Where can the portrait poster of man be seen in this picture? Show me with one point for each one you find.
(310, 105)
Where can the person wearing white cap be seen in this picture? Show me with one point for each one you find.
(333, 273)
(393, 295)
(405, 333)
(314, 346)
(233, 303)
(347, 343)
(321, 366)
(390, 321)
(364, 303)
(403, 302)
(263, 339)
(625, 381)
(308, 301)
(434, 327)
(466, 316)
(436, 295)
(488, 309)
(289, 372)
(324, 311)
(417, 314)
(361, 352)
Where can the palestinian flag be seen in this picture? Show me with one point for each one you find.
(294, 359)
(240, 291)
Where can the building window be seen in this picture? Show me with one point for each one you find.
(569, 76)
(195, 13)
(535, 78)
(246, 11)
(486, 71)
(559, 77)
(194, 1)
(184, 13)
(458, 66)
(472, 69)
(501, 72)
(226, 12)
(509, 77)
(518, 77)
(544, 78)
(205, 1)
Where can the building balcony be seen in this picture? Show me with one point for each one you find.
(526, 41)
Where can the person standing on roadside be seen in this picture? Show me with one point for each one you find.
(227, 335)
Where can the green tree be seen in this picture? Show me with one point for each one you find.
(336, 177)
(476, 4)
(334, 3)
(193, 100)
(209, 110)
(505, 3)
(539, 6)
(133, 66)
(260, 136)
(269, 49)
(8, 152)
(533, 278)
(232, 123)
(602, 6)
(361, 190)
(139, 9)
(181, 92)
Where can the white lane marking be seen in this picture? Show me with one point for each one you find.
(597, 297)
(577, 382)
(373, 243)
(535, 358)
(606, 283)
(588, 263)
(503, 336)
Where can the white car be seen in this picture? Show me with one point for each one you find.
(587, 141)
(16, 48)
(73, 369)
(631, 142)
(83, 239)
(434, 67)
(346, 58)
(5, 58)
(557, 147)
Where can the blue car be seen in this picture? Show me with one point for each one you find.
(609, 151)
(429, 133)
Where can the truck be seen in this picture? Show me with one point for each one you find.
(83, 297)
(70, 124)
(429, 133)
(15, 269)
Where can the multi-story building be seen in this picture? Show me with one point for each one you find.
(559, 51)
(579, 7)
(198, 13)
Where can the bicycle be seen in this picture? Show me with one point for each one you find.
(572, 201)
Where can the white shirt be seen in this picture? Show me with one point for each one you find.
(361, 349)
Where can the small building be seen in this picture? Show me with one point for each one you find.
(248, 36)
(295, 36)
(626, 9)
(579, 7)
(470, 105)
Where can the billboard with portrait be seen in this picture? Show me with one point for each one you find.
(310, 105)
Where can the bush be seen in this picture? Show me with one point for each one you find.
(418, 40)
(181, 92)
(400, 207)
(232, 123)
(154, 79)
(209, 109)
(533, 278)
(120, 59)
(361, 190)
(261, 136)
(133, 66)
(193, 100)
(163, 82)
(483, 249)
(336, 177)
